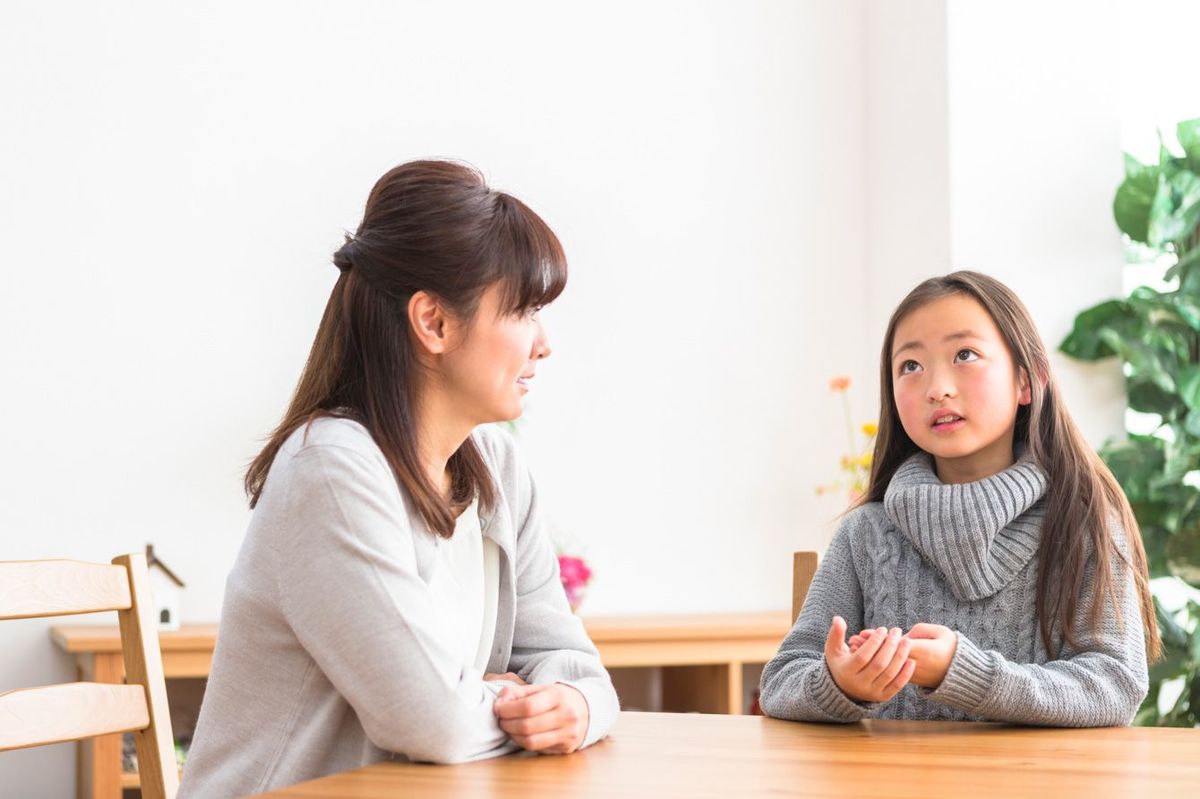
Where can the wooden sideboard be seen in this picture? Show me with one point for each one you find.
(701, 657)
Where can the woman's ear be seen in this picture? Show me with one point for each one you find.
(1024, 392)
(428, 321)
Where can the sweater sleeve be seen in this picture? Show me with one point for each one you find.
(1100, 682)
(796, 684)
(349, 588)
(550, 643)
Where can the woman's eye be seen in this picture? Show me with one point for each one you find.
(532, 313)
(908, 367)
(965, 355)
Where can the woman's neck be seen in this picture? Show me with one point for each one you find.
(440, 432)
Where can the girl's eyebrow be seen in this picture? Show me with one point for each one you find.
(916, 345)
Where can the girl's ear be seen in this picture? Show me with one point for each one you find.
(428, 321)
(1024, 392)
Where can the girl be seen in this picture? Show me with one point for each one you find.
(396, 595)
(994, 569)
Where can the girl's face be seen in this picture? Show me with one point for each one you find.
(488, 370)
(956, 388)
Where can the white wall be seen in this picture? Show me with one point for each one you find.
(174, 180)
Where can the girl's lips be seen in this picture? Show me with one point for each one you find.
(949, 427)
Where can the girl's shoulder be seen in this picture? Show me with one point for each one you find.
(863, 521)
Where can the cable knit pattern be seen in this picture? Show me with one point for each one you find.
(963, 556)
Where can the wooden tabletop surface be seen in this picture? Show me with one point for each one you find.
(666, 755)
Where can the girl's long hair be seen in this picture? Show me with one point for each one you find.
(432, 226)
(1083, 497)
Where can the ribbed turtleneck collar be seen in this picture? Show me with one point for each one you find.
(979, 535)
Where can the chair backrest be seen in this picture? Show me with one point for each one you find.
(804, 566)
(57, 713)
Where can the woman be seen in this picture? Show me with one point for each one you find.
(396, 595)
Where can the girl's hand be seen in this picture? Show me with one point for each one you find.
(876, 671)
(543, 718)
(933, 647)
(507, 676)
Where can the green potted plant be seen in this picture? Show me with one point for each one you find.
(1156, 334)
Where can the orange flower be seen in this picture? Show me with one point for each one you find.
(839, 383)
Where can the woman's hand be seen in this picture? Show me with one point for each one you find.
(876, 670)
(543, 718)
(933, 648)
(507, 676)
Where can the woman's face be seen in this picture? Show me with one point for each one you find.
(490, 366)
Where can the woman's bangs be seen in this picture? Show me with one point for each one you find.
(529, 259)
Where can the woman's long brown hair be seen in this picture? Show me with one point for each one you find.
(432, 226)
(1083, 497)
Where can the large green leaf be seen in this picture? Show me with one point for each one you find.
(1189, 387)
(1131, 206)
(1134, 461)
(1084, 342)
(1174, 636)
(1183, 554)
(1174, 209)
(1188, 133)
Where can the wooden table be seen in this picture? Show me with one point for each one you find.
(701, 659)
(664, 755)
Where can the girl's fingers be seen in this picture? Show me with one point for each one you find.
(883, 656)
(835, 639)
(923, 630)
(901, 679)
(899, 658)
(863, 656)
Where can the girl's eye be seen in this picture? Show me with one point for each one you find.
(966, 355)
(908, 367)
(533, 312)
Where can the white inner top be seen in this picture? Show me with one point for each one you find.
(467, 588)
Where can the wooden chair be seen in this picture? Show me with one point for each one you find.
(804, 566)
(71, 711)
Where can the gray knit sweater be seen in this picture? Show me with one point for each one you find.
(963, 556)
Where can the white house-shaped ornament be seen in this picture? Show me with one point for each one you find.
(166, 589)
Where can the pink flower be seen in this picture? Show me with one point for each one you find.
(575, 577)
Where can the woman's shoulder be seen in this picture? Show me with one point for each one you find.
(332, 438)
(329, 431)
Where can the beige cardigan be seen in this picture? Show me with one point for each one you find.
(329, 656)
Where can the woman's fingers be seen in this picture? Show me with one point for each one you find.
(524, 700)
(533, 725)
(507, 676)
